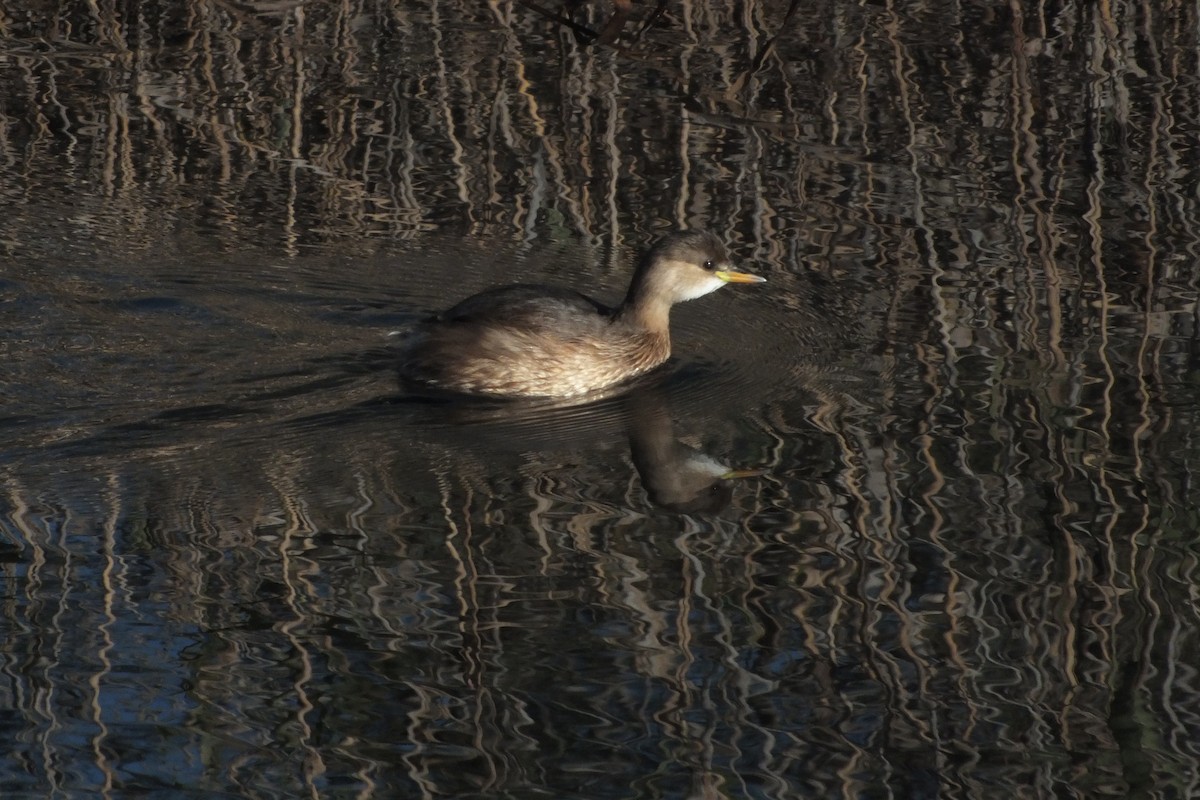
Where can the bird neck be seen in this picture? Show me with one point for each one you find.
(645, 303)
(647, 313)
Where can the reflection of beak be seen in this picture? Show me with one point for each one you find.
(729, 276)
(734, 474)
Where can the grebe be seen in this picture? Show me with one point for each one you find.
(541, 341)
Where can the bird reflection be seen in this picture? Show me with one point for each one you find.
(676, 476)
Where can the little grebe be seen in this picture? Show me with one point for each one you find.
(541, 341)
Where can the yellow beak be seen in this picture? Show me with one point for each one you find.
(729, 276)
(735, 474)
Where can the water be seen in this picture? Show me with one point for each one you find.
(915, 518)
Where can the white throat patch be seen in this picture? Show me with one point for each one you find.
(701, 288)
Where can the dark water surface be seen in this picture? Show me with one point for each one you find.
(959, 559)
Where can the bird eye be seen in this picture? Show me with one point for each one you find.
(710, 265)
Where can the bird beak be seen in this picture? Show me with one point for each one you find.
(737, 474)
(729, 276)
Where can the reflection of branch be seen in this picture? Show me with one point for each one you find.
(769, 47)
(245, 18)
(612, 29)
(654, 16)
(582, 32)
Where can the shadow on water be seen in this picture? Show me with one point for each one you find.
(676, 476)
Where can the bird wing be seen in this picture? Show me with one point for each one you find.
(527, 306)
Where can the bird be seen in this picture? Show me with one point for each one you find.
(536, 341)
